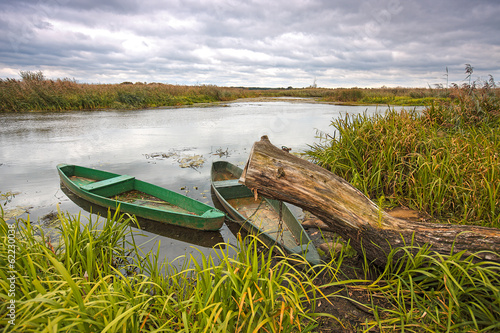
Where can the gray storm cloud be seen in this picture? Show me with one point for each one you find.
(251, 43)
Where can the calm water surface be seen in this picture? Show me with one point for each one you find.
(150, 145)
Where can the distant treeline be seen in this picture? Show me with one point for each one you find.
(34, 92)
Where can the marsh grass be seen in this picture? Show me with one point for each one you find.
(94, 278)
(427, 291)
(444, 161)
(34, 92)
(387, 96)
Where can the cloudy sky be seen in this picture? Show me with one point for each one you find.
(253, 43)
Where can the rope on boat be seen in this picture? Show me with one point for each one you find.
(280, 223)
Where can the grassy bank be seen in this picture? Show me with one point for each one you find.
(385, 96)
(34, 92)
(95, 278)
(444, 161)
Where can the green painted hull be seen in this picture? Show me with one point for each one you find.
(261, 216)
(139, 198)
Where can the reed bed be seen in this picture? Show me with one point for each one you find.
(444, 161)
(34, 92)
(384, 96)
(91, 276)
(388, 96)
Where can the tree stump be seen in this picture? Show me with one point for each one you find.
(277, 174)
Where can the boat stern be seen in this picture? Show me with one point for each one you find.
(214, 219)
(213, 214)
(309, 252)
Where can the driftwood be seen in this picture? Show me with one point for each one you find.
(280, 175)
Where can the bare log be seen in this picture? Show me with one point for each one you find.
(280, 175)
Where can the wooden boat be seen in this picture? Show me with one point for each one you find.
(139, 198)
(261, 216)
(198, 238)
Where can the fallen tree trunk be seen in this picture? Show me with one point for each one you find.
(277, 174)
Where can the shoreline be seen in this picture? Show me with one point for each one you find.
(261, 99)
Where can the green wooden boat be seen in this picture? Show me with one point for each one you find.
(261, 216)
(139, 198)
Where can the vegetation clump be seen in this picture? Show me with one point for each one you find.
(444, 160)
(35, 92)
(93, 277)
(430, 292)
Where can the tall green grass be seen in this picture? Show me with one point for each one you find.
(444, 161)
(429, 292)
(93, 277)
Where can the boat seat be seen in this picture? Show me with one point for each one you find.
(106, 182)
(227, 183)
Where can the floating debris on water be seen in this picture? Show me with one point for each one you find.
(14, 213)
(161, 155)
(219, 152)
(195, 161)
(50, 218)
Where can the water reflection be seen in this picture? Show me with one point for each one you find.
(235, 228)
(206, 239)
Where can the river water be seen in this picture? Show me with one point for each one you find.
(153, 145)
